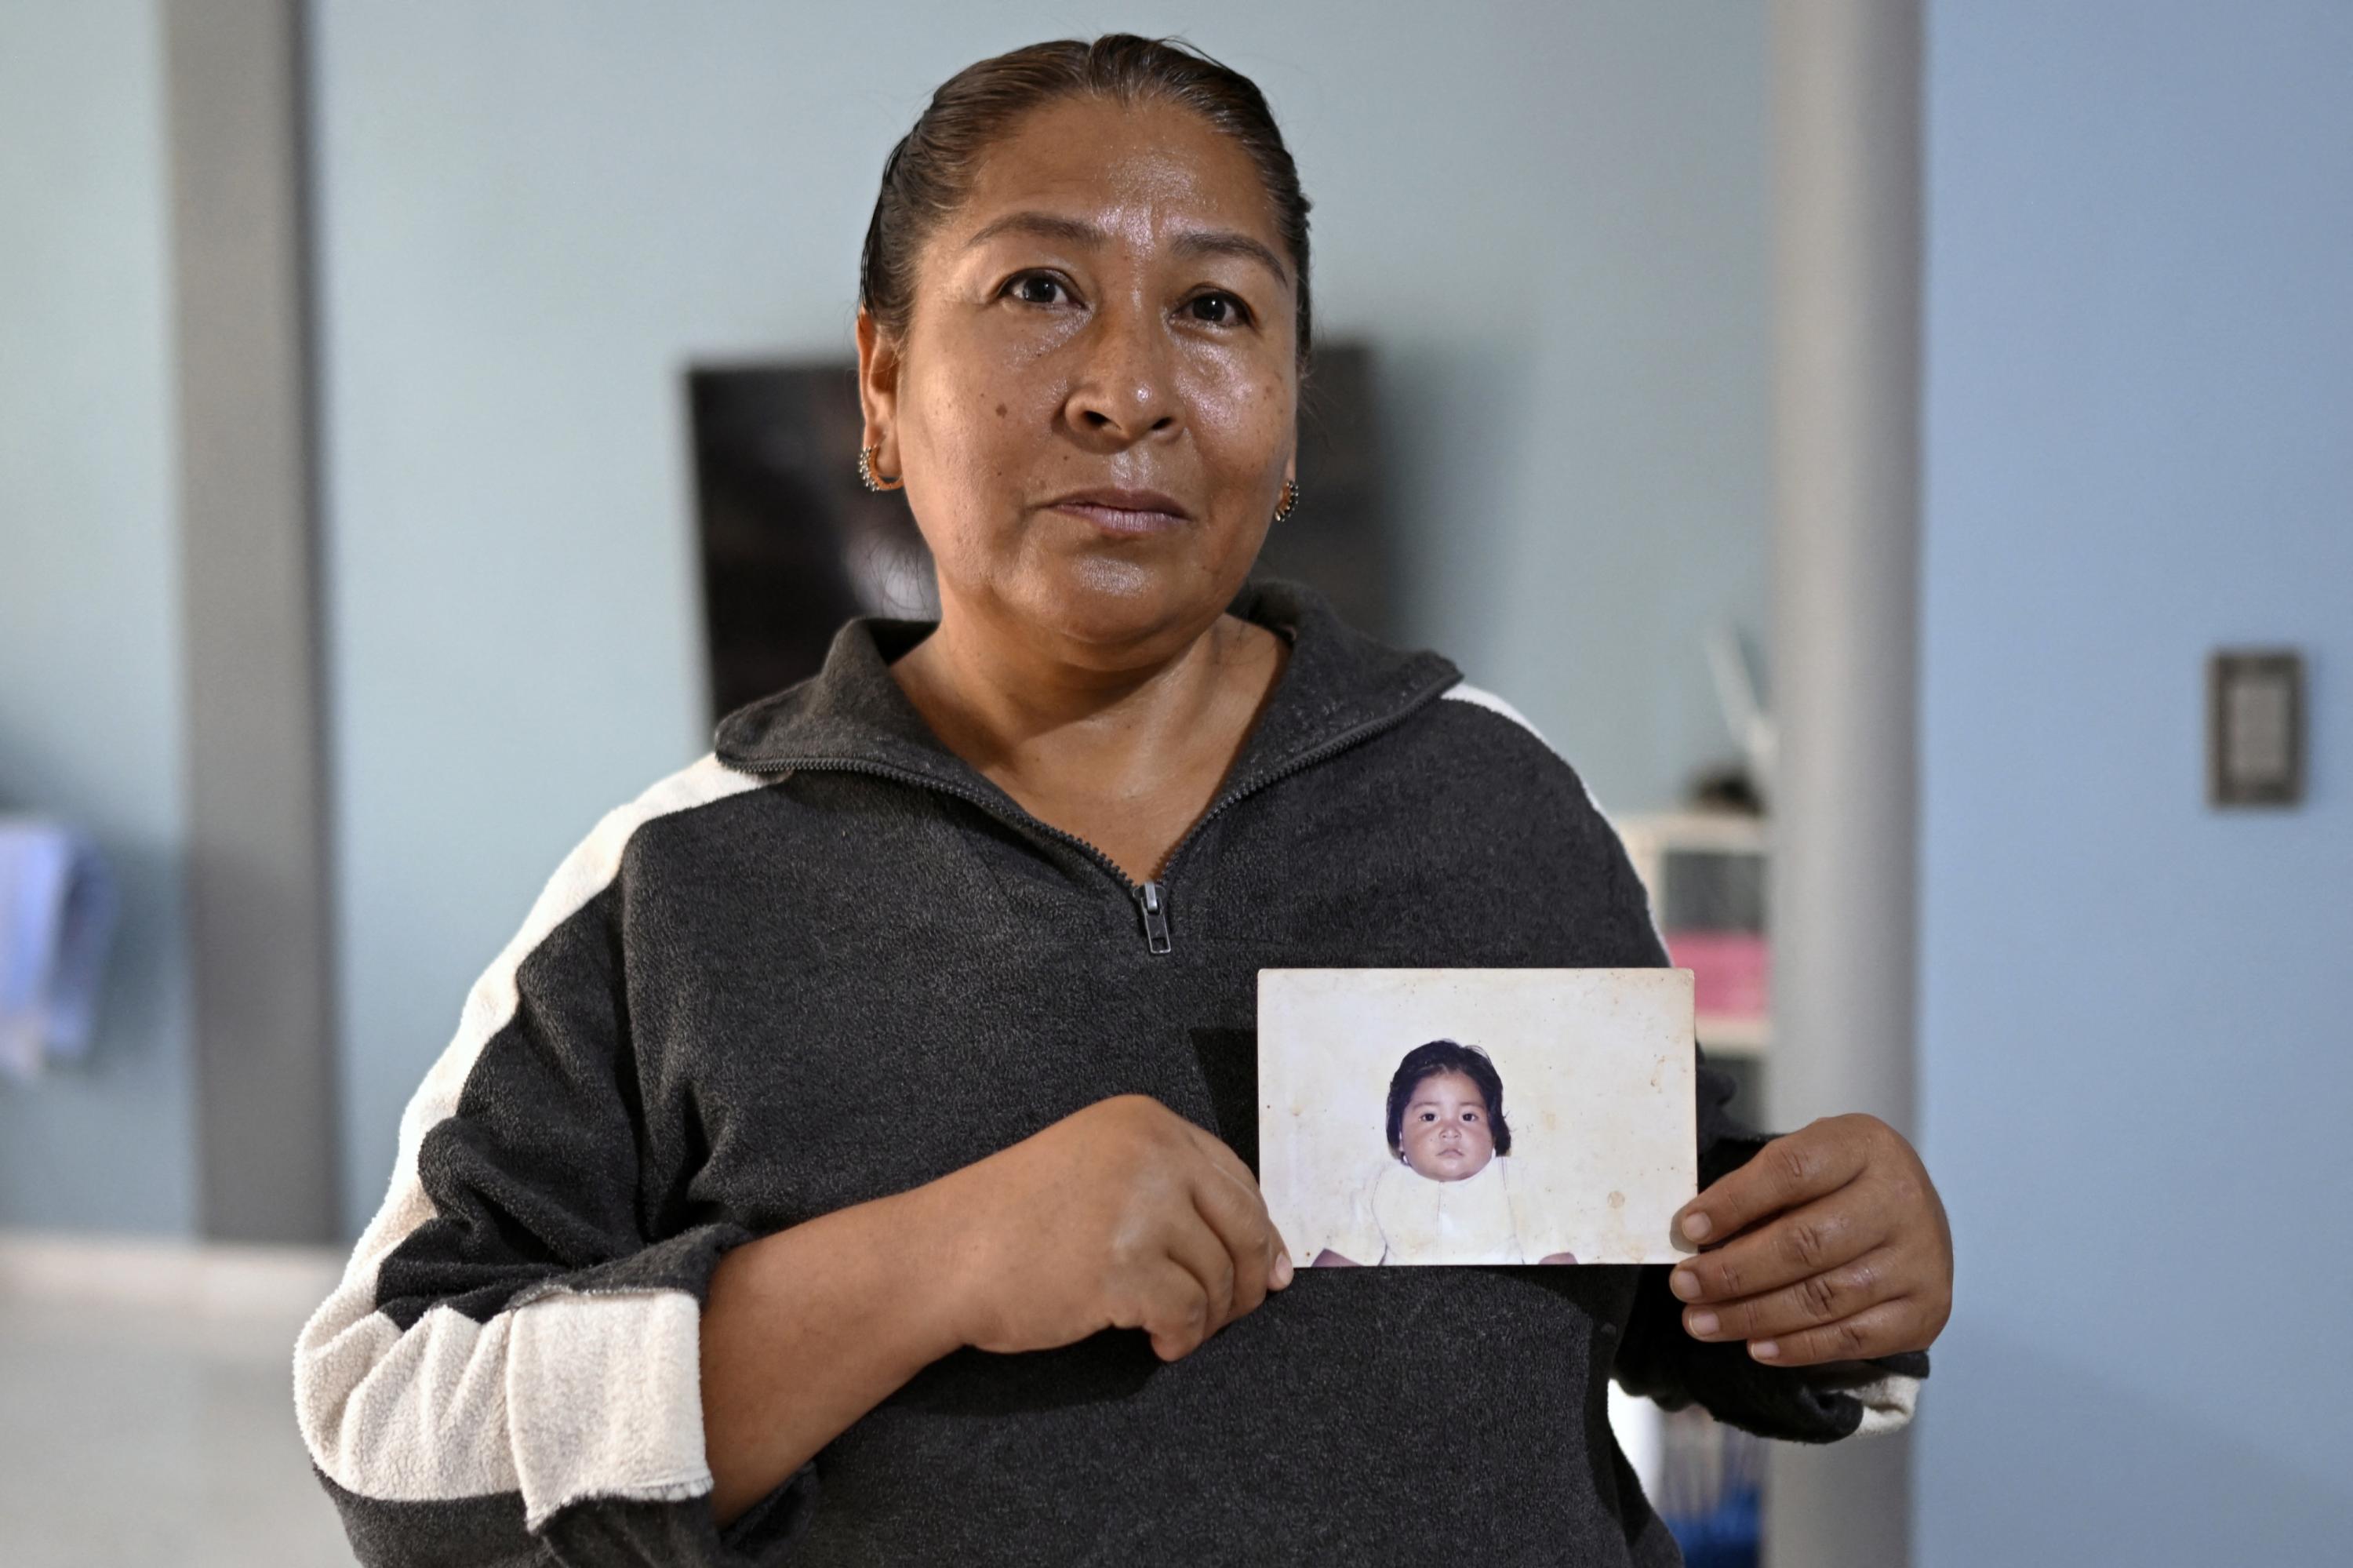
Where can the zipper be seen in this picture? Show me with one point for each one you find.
(1156, 917)
(1150, 896)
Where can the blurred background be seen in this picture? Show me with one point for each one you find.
(1898, 450)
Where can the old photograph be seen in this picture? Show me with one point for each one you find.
(1476, 1116)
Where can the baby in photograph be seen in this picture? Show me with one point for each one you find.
(1448, 1195)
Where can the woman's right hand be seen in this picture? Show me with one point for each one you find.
(1123, 1215)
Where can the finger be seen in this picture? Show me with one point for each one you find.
(1256, 1237)
(1236, 1217)
(1811, 1303)
(1887, 1329)
(1808, 1164)
(1795, 1246)
(1194, 1245)
(1221, 1154)
(1167, 1303)
(1226, 1162)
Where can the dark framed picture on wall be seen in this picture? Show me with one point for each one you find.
(792, 544)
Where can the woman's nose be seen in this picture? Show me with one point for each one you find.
(1126, 389)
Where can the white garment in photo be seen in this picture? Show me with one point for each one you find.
(1400, 1216)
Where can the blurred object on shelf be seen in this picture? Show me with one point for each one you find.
(1740, 694)
(1709, 1491)
(57, 908)
(1729, 973)
(1729, 787)
(1704, 872)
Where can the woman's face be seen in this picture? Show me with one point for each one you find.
(1094, 403)
(1446, 1135)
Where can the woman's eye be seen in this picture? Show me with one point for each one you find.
(1216, 310)
(1037, 289)
(1430, 1116)
(1470, 1116)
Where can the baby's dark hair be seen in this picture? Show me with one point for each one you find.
(1446, 1056)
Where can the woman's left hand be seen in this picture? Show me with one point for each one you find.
(1829, 1245)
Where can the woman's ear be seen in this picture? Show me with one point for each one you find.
(878, 391)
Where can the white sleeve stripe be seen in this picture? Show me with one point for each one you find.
(1464, 692)
(1887, 1404)
(447, 1410)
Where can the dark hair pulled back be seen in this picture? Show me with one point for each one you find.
(929, 173)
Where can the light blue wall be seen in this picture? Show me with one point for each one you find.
(90, 659)
(2137, 1040)
(531, 216)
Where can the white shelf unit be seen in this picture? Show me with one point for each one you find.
(1649, 840)
(1676, 1455)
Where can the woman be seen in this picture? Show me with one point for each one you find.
(800, 1176)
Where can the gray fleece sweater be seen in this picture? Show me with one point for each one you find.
(830, 962)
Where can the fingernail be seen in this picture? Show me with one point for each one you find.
(1685, 1283)
(1765, 1350)
(1703, 1323)
(1283, 1270)
(1697, 1226)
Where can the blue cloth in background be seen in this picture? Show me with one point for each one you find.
(1729, 1536)
(58, 909)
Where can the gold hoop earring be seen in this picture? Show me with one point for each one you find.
(875, 481)
(1290, 499)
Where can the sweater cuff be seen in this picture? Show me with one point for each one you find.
(604, 1378)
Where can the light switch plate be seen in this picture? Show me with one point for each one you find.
(2254, 728)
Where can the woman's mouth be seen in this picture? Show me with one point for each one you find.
(1125, 513)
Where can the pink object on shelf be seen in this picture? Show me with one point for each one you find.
(1729, 971)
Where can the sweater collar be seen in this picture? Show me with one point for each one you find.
(1339, 684)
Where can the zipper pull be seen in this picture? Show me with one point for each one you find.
(1156, 917)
